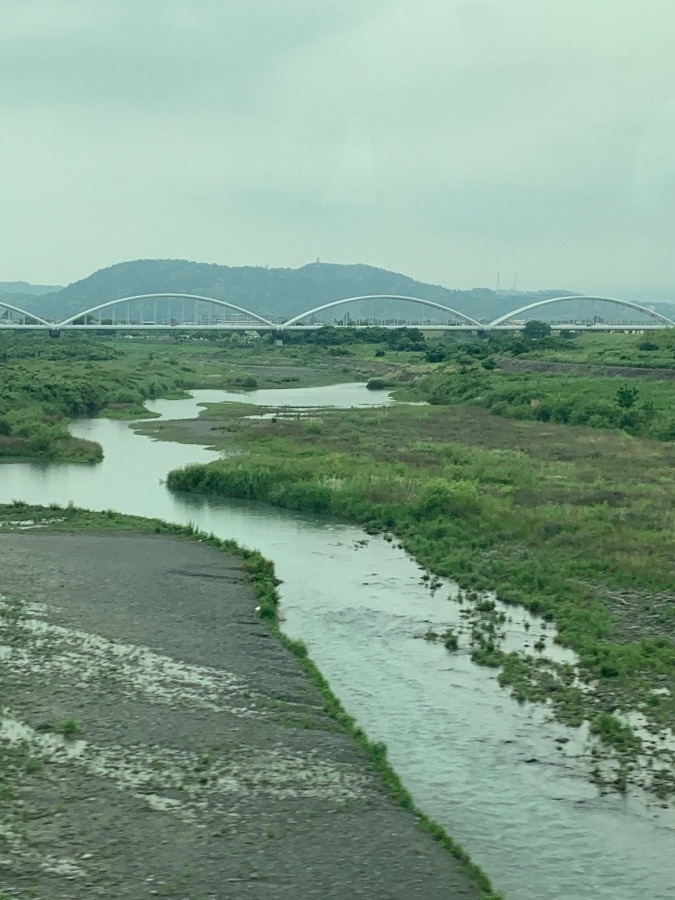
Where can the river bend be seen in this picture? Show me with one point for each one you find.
(462, 746)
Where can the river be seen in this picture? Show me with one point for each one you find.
(490, 770)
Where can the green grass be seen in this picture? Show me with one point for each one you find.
(68, 728)
(575, 524)
(641, 407)
(651, 350)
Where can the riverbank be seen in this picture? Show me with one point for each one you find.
(157, 740)
(574, 524)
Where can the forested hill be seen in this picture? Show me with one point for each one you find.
(276, 293)
(15, 288)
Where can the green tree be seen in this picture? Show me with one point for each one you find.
(536, 329)
(626, 397)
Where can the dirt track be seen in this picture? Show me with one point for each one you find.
(571, 368)
(158, 741)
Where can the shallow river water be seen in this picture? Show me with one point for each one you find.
(487, 768)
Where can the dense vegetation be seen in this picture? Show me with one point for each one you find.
(652, 350)
(45, 383)
(579, 395)
(645, 409)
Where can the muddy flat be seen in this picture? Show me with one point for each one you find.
(156, 740)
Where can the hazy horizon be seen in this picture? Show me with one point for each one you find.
(447, 141)
(653, 296)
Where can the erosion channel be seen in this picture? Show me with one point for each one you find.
(506, 781)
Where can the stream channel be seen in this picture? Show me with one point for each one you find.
(488, 769)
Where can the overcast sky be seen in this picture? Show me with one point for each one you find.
(446, 140)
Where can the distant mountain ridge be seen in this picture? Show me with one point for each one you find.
(278, 294)
(23, 287)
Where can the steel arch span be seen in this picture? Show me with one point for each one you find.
(167, 295)
(661, 319)
(464, 319)
(35, 320)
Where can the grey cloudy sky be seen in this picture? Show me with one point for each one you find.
(447, 140)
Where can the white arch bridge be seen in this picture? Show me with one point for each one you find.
(192, 312)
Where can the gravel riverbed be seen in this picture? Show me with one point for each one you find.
(157, 740)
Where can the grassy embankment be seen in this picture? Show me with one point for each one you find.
(261, 573)
(645, 351)
(637, 406)
(576, 524)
